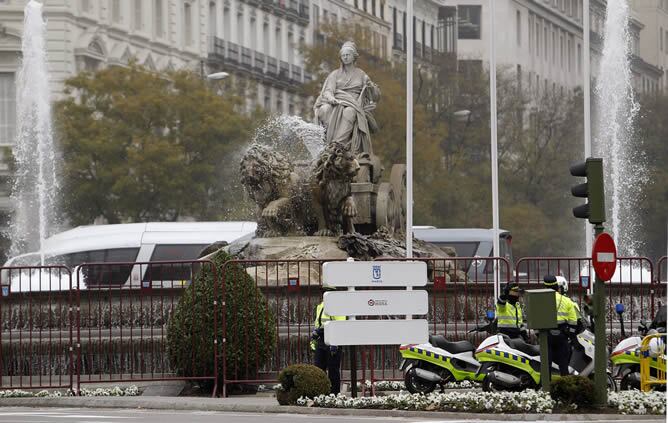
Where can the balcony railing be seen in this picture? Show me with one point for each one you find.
(398, 42)
(299, 8)
(232, 52)
(259, 62)
(272, 65)
(296, 73)
(284, 71)
(246, 57)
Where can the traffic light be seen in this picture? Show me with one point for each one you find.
(592, 190)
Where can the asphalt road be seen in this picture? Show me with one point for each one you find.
(76, 415)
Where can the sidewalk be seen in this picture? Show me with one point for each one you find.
(267, 404)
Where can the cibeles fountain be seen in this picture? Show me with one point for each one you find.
(332, 201)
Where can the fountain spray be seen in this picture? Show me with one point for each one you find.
(617, 110)
(35, 186)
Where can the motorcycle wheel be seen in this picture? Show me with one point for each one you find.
(627, 384)
(612, 385)
(415, 385)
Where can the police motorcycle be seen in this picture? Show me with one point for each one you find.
(514, 365)
(440, 361)
(625, 357)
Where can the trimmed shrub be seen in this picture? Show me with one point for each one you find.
(301, 380)
(251, 325)
(573, 390)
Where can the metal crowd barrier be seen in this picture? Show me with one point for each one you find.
(633, 285)
(37, 327)
(106, 323)
(461, 290)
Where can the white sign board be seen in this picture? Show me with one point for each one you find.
(374, 273)
(376, 332)
(375, 303)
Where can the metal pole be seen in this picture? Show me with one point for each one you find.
(600, 353)
(492, 125)
(353, 371)
(587, 107)
(409, 129)
(545, 366)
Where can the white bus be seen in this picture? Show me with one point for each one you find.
(124, 243)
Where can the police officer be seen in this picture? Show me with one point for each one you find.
(509, 312)
(559, 350)
(327, 357)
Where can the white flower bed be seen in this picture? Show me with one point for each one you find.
(395, 385)
(116, 391)
(636, 402)
(482, 402)
(529, 401)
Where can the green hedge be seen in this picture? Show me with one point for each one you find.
(251, 325)
(569, 390)
(301, 380)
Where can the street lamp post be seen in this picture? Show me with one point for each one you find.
(494, 148)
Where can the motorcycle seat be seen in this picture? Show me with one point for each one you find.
(519, 344)
(452, 347)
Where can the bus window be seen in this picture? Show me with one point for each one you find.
(463, 249)
(110, 274)
(172, 272)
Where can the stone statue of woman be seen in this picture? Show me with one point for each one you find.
(345, 103)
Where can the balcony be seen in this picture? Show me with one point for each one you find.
(297, 10)
(226, 55)
(272, 66)
(296, 73)
(246, 57)
(259, 62)
(398, 42)
(232, 52)
(284, 71)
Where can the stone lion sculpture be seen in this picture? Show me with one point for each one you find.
(317, 204)
(331, 194)
(269, 179)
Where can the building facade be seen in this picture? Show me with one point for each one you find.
(89, 34)
(542, 40)
(653, 42)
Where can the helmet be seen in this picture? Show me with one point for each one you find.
(512, 287)
(562, 284)
(550, 281)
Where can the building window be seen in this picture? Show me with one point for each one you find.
(364, 5)
(546, 39)
(137, 20)
(373, 7)
(188, 24)
(116, 11)
(85, 6)
(579, 59)
(405, 41)
(159, 25)
(7, 108)
(661, 39)
(469, 22)
(213, 16)
(382, 10)
(518, 28)
(316, 17)
(227, 24)
(537, 39)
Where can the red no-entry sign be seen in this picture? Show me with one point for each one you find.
(604, 256)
